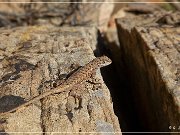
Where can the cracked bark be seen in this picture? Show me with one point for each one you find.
(50, 53)
(152, 60)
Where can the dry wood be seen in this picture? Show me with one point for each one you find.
(151, 52)
(31, 59)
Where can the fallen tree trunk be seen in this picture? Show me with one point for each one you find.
(151, 53)
(31, 60)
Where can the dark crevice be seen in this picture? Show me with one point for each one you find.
(119, 83)
(122, 99)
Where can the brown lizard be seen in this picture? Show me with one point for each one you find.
(81, 75)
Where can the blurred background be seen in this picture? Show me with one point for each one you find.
(99, 14)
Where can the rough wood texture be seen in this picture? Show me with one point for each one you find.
(151, 53)
(32, 58)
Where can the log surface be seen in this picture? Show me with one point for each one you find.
(151, 54)
(31, 60)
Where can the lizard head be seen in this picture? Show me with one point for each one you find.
(103, 61)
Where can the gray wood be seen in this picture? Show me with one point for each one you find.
(32, 58)
(151, 51)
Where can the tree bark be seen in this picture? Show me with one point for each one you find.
(31, 60)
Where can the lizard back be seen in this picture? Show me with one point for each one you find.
(85, 72)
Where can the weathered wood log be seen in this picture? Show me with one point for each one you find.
(151, 54)
(31, 60)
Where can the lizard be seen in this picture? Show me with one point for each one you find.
(81, 75)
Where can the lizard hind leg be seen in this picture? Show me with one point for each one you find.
(77, 93)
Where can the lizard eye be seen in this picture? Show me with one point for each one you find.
(105, 61)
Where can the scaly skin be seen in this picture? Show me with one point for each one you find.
(81, 75)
